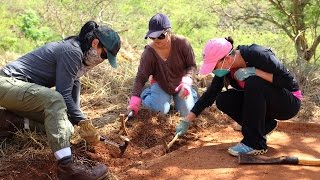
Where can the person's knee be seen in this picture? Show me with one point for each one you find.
(54, 99)
(162, 108)
(56, 96)
(184, 106)
(195, 94)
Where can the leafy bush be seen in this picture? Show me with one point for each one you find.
(32, 26)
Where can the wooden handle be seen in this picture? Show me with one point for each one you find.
(123, 124)
(309, 162)
(299, 161)
(172, 141)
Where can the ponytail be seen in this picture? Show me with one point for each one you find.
(86, 35)
(230, 40)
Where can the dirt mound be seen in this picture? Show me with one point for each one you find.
(147, 133)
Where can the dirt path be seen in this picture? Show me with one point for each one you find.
(207, 158)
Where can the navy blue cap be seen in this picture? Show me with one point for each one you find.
(157, 24)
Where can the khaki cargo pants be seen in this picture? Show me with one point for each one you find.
(38, 103)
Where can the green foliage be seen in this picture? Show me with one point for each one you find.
(198, 21)
(187, 19)
(26, 24)
(9, 35)
(299, 20)
(22, 30)
(31, 26)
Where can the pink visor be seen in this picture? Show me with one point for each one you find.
(214, 50)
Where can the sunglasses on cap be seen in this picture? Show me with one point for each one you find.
(162, 36)
(104, 51)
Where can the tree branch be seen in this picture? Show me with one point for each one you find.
(283, 27)
(315, 44)
(278, 5)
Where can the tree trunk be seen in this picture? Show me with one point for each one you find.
(301, 47)
(303, 52)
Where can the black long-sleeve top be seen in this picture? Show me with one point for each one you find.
(254, 56)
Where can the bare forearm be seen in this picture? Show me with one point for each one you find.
(264, 75)
(190, 117)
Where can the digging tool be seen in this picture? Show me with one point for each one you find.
(252, 159)
(123, 122)
(122, 146)
(167, 146)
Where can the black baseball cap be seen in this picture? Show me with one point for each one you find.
(157, 25)
(110, 41)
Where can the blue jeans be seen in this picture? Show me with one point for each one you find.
(157, 99)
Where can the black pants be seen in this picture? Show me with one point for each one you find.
(256, 108)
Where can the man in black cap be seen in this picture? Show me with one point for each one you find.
(170, 60)
(26, 94)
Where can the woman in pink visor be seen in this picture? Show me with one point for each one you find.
(261, 90)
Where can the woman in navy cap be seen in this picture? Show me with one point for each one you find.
(170, 63)
(25, 89)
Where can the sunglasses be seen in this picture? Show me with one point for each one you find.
(162, 36)
(104, 54)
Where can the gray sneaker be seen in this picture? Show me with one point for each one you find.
(244, 149)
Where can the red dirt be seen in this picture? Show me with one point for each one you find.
(27, 165)
(207, 158)
(200, 154)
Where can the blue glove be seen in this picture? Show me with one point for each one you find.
(243, 73)
(182, 128)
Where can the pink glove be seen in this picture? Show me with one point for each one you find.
(134, 104)
(184, 87)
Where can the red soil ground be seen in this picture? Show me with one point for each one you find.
(200, 154)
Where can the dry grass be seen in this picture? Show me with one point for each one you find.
(108, 87)
(25, 142)
(7, 57)
(308, 78)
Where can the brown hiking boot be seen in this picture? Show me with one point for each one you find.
(9, 123)
(68, 170)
